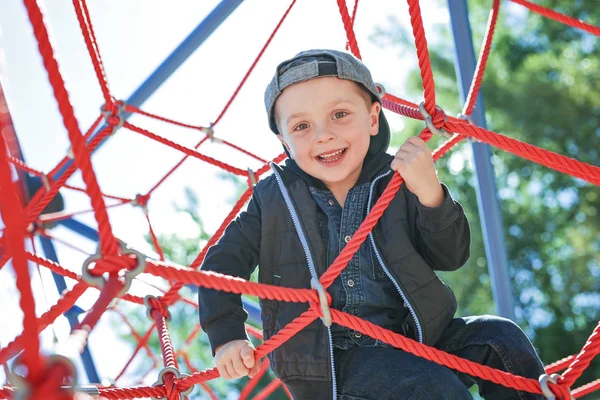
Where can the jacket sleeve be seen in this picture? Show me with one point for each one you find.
(222, 315)
(442, 233)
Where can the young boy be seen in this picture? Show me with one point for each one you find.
(326, 111)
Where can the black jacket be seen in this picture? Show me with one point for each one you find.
(411, 240)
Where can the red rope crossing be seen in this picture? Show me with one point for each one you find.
(45, 377)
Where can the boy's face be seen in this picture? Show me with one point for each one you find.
(326, 125)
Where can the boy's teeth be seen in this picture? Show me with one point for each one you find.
(331, 154)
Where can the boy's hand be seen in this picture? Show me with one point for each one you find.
(414, 162)
(236, 359)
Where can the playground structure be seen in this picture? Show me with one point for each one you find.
(121, 264)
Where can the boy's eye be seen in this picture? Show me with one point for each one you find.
(339, 114)
(301, 127)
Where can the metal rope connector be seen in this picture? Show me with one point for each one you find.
(323, 302)
(466, 118)
(99, 281)
(210, 132)
(178, 375)
(429, 122)
(252, 177)
(112, 118)
(544, 379)
(23, 388)
(380, 89)
(149, 308)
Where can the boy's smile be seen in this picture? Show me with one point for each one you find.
(326, 125)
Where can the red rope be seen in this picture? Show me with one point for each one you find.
(268, 390)
(559, 365)
(186, 150)
(61, 215)
(349, 28)
(590, 350)
(83, 16)
(353, 21)
(141, 344)
(81, 151)
(200, 128)
(14, 236)
(437, 356)
(69, 274)
(423, 55)
(536, 154)
(586, 389)
(164, 178)
(66, 301)
(576, 23)
(482, 60)
(262, 51)
(254, 381)
(24, 167)
(153, 236)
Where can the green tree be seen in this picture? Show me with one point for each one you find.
(541, 87)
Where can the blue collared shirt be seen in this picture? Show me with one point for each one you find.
(363, 288)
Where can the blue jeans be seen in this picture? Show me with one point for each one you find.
(385, 373)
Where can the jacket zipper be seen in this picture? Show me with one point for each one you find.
(309, 260)
(385, 269)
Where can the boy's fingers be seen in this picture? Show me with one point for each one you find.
(239, 367)
(254, 370)
(231, 369)
(247, 354)
(223, 371)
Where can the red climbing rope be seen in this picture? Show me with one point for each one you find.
(14, 236)
(81, 151)
(45, 376)
(85, 23)
(594, 30)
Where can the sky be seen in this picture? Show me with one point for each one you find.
(134, 37)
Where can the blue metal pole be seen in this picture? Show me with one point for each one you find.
(252, 308)
(81, 228)
(86, 356)
(487, 200)
(172, 62)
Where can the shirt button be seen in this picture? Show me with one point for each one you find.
(350, 283)
(347, 238)
(331, 202)
(357, 335)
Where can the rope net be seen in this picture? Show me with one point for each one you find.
(116, 265)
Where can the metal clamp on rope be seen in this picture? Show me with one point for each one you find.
(23, 391)
(178, 375)
(98, 281)
(466, 118)
(149, 308)
(210, 132)
(544, 379)
(316, 285)
(106, 113)
(90, 390)
(380, 89)
(429, 122)
(252, 176)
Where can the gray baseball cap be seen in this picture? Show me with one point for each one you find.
(317, 63)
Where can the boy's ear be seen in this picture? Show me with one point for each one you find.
(287, 147)
(374, 118)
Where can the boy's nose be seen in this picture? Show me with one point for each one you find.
(324, 134)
